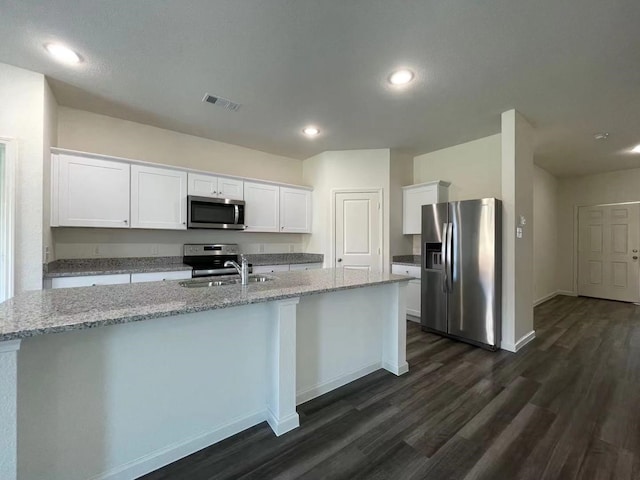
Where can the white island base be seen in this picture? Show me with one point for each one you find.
(120, 401)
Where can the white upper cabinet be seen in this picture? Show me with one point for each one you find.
(215, 187)
(414, 197)
(295, 210)
(158, 198)
(230, 188)
(262, 207)
(89, 193)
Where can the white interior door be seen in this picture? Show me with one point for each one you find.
(608, 244)
(358, 240)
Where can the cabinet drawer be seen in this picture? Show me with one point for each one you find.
(160, 276)
(305, 266)
(411, 270)
(270, 268)
(90, 280)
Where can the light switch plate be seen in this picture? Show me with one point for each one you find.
(519, 232)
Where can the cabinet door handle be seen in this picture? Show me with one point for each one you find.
(126, 221)
(184, 223)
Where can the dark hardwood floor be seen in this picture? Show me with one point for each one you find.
(567, 406)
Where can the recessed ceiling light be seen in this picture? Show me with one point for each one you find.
(636, 149)
(601, 136)
(62, 53)
(311, 131)
(401, 77)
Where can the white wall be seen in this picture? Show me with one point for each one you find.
(22, 99)
(341, 170)
(50, 140)
(610, 187)
(517, 253)
(473, 168)
(90, 132)
(401, 174)
(545, 234)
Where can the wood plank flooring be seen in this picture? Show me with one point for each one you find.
(567, 406)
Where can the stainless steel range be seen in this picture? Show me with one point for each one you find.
(208, 260)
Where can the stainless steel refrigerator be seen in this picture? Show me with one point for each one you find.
(461, 270)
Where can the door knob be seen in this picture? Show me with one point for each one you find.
(339, 260)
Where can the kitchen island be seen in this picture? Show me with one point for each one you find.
(171, 370)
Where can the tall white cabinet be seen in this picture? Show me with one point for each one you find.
(414, 197)
(158, 198)
(90, 192)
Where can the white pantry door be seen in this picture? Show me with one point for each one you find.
(608, 244)
(358, 241)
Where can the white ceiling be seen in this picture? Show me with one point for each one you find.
(570, 66)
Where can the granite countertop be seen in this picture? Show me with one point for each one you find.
(110, 266)
(259, 259)
(49, 311)
(413, 260)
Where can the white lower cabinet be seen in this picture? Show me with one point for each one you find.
(90, 280)
(270, 268)
(305, 266)
(413, 298)
(160, 276)
(413, 288)
(158, 198)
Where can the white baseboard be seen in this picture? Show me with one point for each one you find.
(519, 344)
(396, 369)
(568, 293)
(283, 425)
(546, 297)
(171, 453)
(316, 391)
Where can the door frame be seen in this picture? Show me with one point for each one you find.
(8, 215)
(576, 233)
(334, 194)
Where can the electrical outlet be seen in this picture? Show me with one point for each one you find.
(154, 250)
(261, 248)
(96, 251)
(46, 254)
(292, 248)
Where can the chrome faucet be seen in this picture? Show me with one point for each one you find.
(243, 269)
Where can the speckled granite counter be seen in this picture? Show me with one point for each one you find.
(111, 266)
(49, 311)
(284, 258)
(414, 260)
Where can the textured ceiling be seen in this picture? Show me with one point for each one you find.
(570, 66)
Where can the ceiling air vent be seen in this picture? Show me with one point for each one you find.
(221, 102)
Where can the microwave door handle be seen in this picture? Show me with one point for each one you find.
(236, 214)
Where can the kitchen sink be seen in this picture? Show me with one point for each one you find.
(199, 283)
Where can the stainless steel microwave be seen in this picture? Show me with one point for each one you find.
(218, 213)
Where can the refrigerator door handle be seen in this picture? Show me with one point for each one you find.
(448, 265)
(445, 270)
